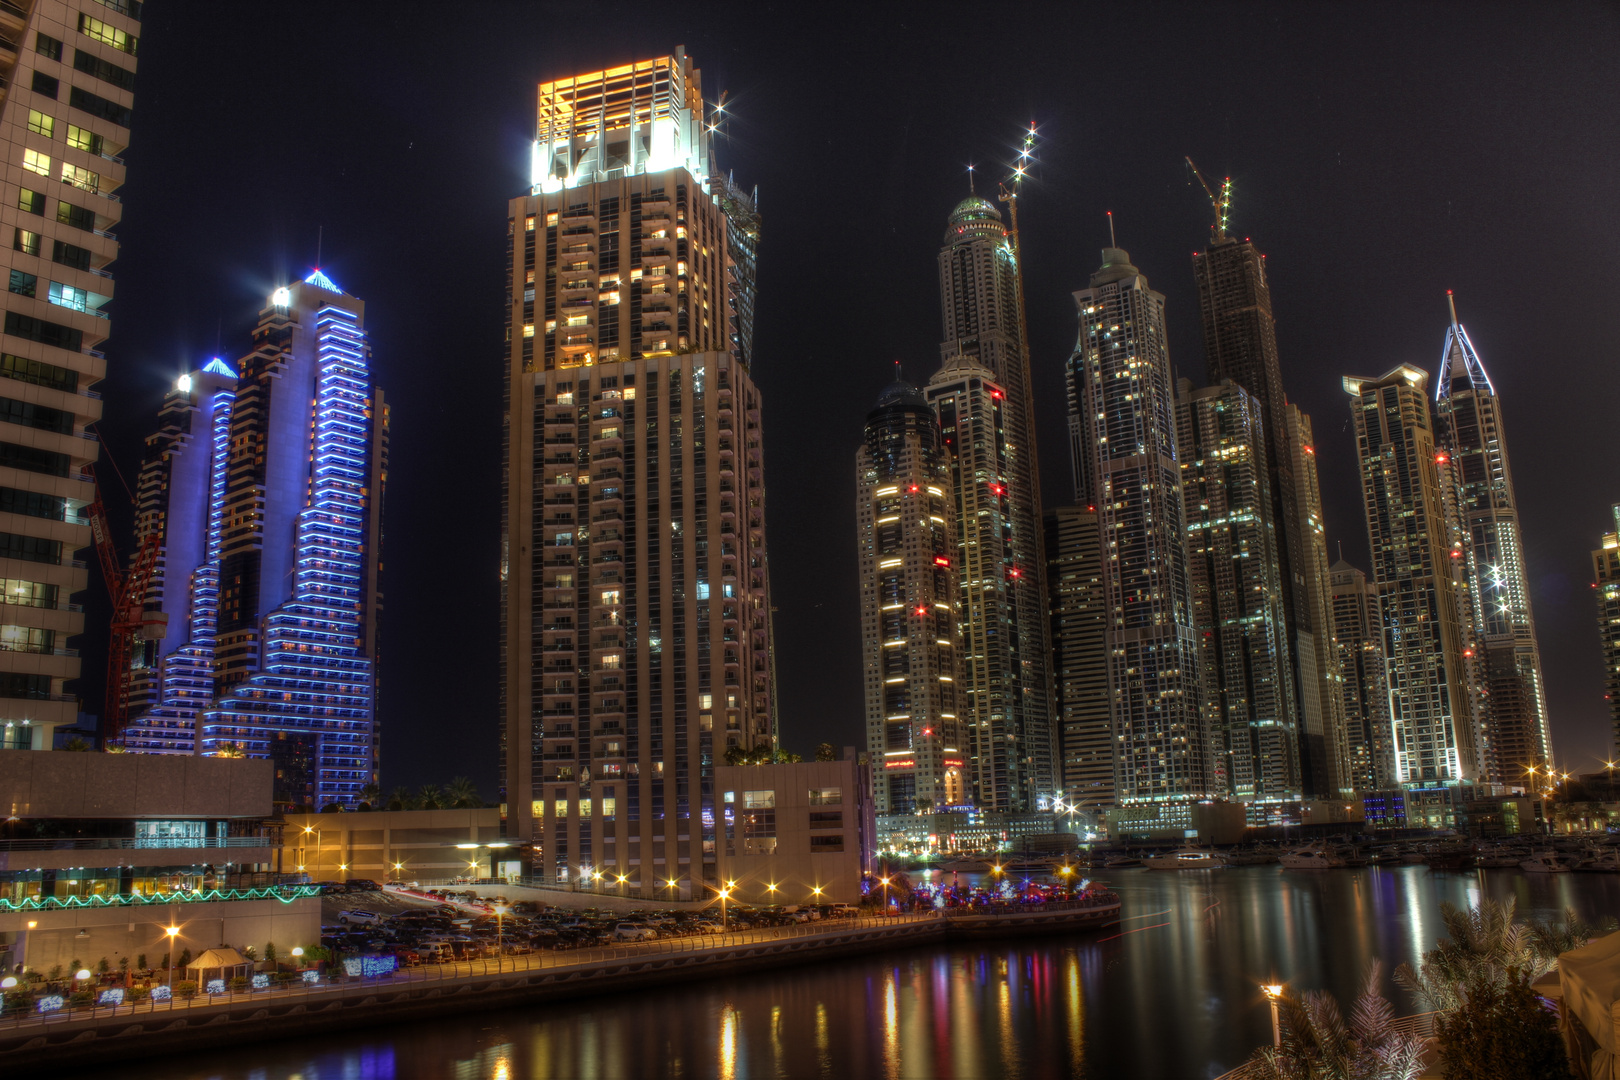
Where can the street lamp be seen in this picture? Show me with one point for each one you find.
(500, 940)
(885, 896)
(173, 932)
(298, 956)
(1274, 995)
(725, 894)
(312, 829)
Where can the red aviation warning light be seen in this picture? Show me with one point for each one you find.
(921, 610)
(995, 394)
(913, 489)
(1015, 572)
(1441, 459)
(940, 560)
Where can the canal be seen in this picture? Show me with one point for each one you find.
(1173, 992)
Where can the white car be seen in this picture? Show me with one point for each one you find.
(707, 927)
(633, 932)
(360, 918)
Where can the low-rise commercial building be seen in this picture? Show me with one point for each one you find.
(102, 854)
(799, 833)
(398, 845)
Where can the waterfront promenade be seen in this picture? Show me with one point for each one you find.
(91, 1033)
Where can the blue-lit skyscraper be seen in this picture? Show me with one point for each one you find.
(278, 533)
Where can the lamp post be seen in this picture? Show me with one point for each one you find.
(173, 932)
(885, 880)
(492, 847)
(298, 957)
(308, 829)
(500, 939)
(725, 894)
(1274, 995)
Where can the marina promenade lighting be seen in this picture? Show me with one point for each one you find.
(172, 932)
(1274, 995)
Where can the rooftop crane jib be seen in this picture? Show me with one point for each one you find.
(1221, 203)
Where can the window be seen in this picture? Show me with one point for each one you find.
(36, 162)
(33, 459)
(132, 8)
(69, 297)
(30, 548)
(26, 639)
(26, 242)
(528, 329)
(80, 139)
(578, 320)
(610, 806)
(40, 124)
(759, 822)
(565, 539)
(27, 593)
(96, 105)
(47, 46)
(76, 216)
(559, 809)
(585, 809)
(39, 373)
(827, 796)
(826, 819)
(44, 332)
(45, 85)
(42, 417)
(83, 179)
(108, 34)
(23, 284)
(705, 702)
(753, 800)
(91, 64)
(610, 596)
(824, 844)
(32, 504)
(70, 255)
(612, 660)
(30, 202)
(16, 685)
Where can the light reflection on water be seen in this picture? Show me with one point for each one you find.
(1175, 1000)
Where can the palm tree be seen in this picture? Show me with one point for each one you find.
(1317, 1043)
(370, 794)
(462, 794)
(400, 799)
(428, 798)
(76, 745)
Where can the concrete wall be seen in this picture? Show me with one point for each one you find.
(42, 939)
(796, 869)
(91, 785)
(368, 845)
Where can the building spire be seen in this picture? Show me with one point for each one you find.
(1111, 241)
(1451, 301)
(970, 181)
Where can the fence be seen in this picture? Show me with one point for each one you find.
(334, 987)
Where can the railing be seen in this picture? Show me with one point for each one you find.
(333, 987)
(117, 843)
(1419, 1024)
(285, 893)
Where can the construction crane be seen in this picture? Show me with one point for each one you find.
(130, 621)
(1222, 202)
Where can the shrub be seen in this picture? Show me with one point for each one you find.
(185, 989)
(140, 962)
(270, 951)
(19, 1000)
(82, 997)
(1500, 1030)
(137, 994)
(237, 984)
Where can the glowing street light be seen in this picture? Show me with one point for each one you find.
(173, 932)
(1274, 994)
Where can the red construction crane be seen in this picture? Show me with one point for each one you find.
(127, 589)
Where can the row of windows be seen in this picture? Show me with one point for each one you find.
(30, 548)
(39, 162)
(79, 98)
(33, 202)
(25, 284)
(77, 137)
(32, 504)
(38, 373)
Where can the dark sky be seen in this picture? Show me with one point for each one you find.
(1381, 154)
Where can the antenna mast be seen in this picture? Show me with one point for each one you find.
(1221, 203)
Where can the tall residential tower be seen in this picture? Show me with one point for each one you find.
(1079, 612)
(1005, 672)
(1606, 571)
(1123, 439)
(68, 70)
(910, 633)
(1468, 417)
(1358, 628)
(635, 609)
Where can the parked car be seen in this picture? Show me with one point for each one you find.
(634, 932)
(360, 918)
(704, 926)
(362, 885)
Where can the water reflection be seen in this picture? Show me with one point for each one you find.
(1177, 996)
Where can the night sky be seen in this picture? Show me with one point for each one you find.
(1380, 154)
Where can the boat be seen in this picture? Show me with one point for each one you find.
(1312, 858)
(965, 866)
(1187, 859)
(1120, 862)
(1601, 862)
(1546, 862)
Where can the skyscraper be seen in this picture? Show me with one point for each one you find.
(980, 307)
(1240, 343)
(1237, 596)
(1468, 417)
(1122, 429)
(300, 544)
(1358, 629)
(910, 637)
(1079, 613)
(1008, 756)
(64, 121)
(181, 497)
(1420, 596)
(635, 609)
(1606, 570)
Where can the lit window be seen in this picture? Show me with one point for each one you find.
(585, 808)
(528, 329)
(26, 242)
(40, 124)
(610, 596)
(610, 806)
(36, 162)
(528, 223)
(551, 218)
(560, 808)
(612, 660)
(551, 328)
(108, 34)
(80, 139)
(69, 297)
(537, 808)
(83, 179)
(578, 320)
(705, 701)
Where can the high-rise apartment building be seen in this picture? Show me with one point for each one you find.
(68, 70)
(1468, 417)
(1240, 344)
(1324, 734)
(1123, 439)
(980, 303)
(1606, 571)
(271, 564)
(181, 502)
(1358, 631)
(1422, 599)
(1007, 756)
(910, 637)
(1237, 597)
(635, 611)
(1078, 605)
